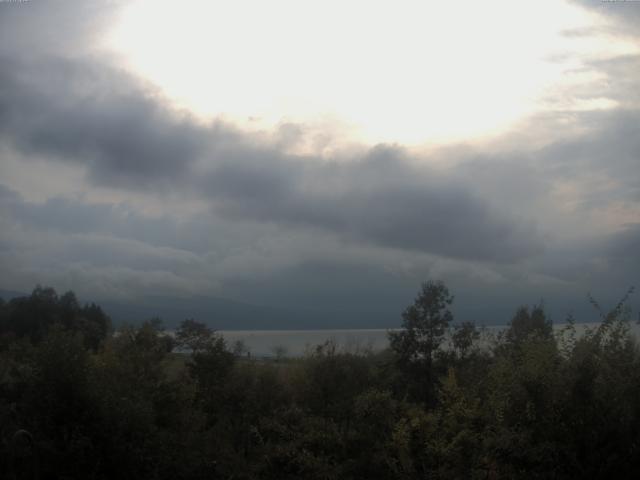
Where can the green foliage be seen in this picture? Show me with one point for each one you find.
(416, 345)
(329, 381)
(211, 366)
(439, 404)
(424, 324)
(31, 317)
(528, 323)
(193, 336)
(463, 338)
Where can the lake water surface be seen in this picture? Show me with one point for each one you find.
(265, 343)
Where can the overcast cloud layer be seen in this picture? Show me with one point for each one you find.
(108, 190)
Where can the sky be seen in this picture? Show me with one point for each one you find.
(327, 156)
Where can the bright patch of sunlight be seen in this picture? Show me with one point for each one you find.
(413, 72)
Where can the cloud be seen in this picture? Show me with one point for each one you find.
(623, 15)
(86, 113)
(542, 207)
(379, 198)
(56, 27)
(126, 136)
(623, 249)
(606, 158)
(619, 75)
(98, 265)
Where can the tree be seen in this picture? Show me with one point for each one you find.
(240, 349)
(210, 366)
(94, 324)
(529, 323)
(193, 335)
(279, 351)
(463, 337)
(424, 324)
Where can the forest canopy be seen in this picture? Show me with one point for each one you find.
(445, 400)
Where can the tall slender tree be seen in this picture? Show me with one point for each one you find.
(424, 325)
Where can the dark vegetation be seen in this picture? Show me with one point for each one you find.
(443, 402)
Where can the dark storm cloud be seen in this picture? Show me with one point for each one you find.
(67, 105)
(86, 113)
(624, 246)
(340, 232)
(380, 198)
(78, 109)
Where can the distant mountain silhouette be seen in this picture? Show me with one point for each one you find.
(224, 314)
(7, 295)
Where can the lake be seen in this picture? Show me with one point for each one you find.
(263, 343)
(293, 343)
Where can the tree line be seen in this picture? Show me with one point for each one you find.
(443, 401)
